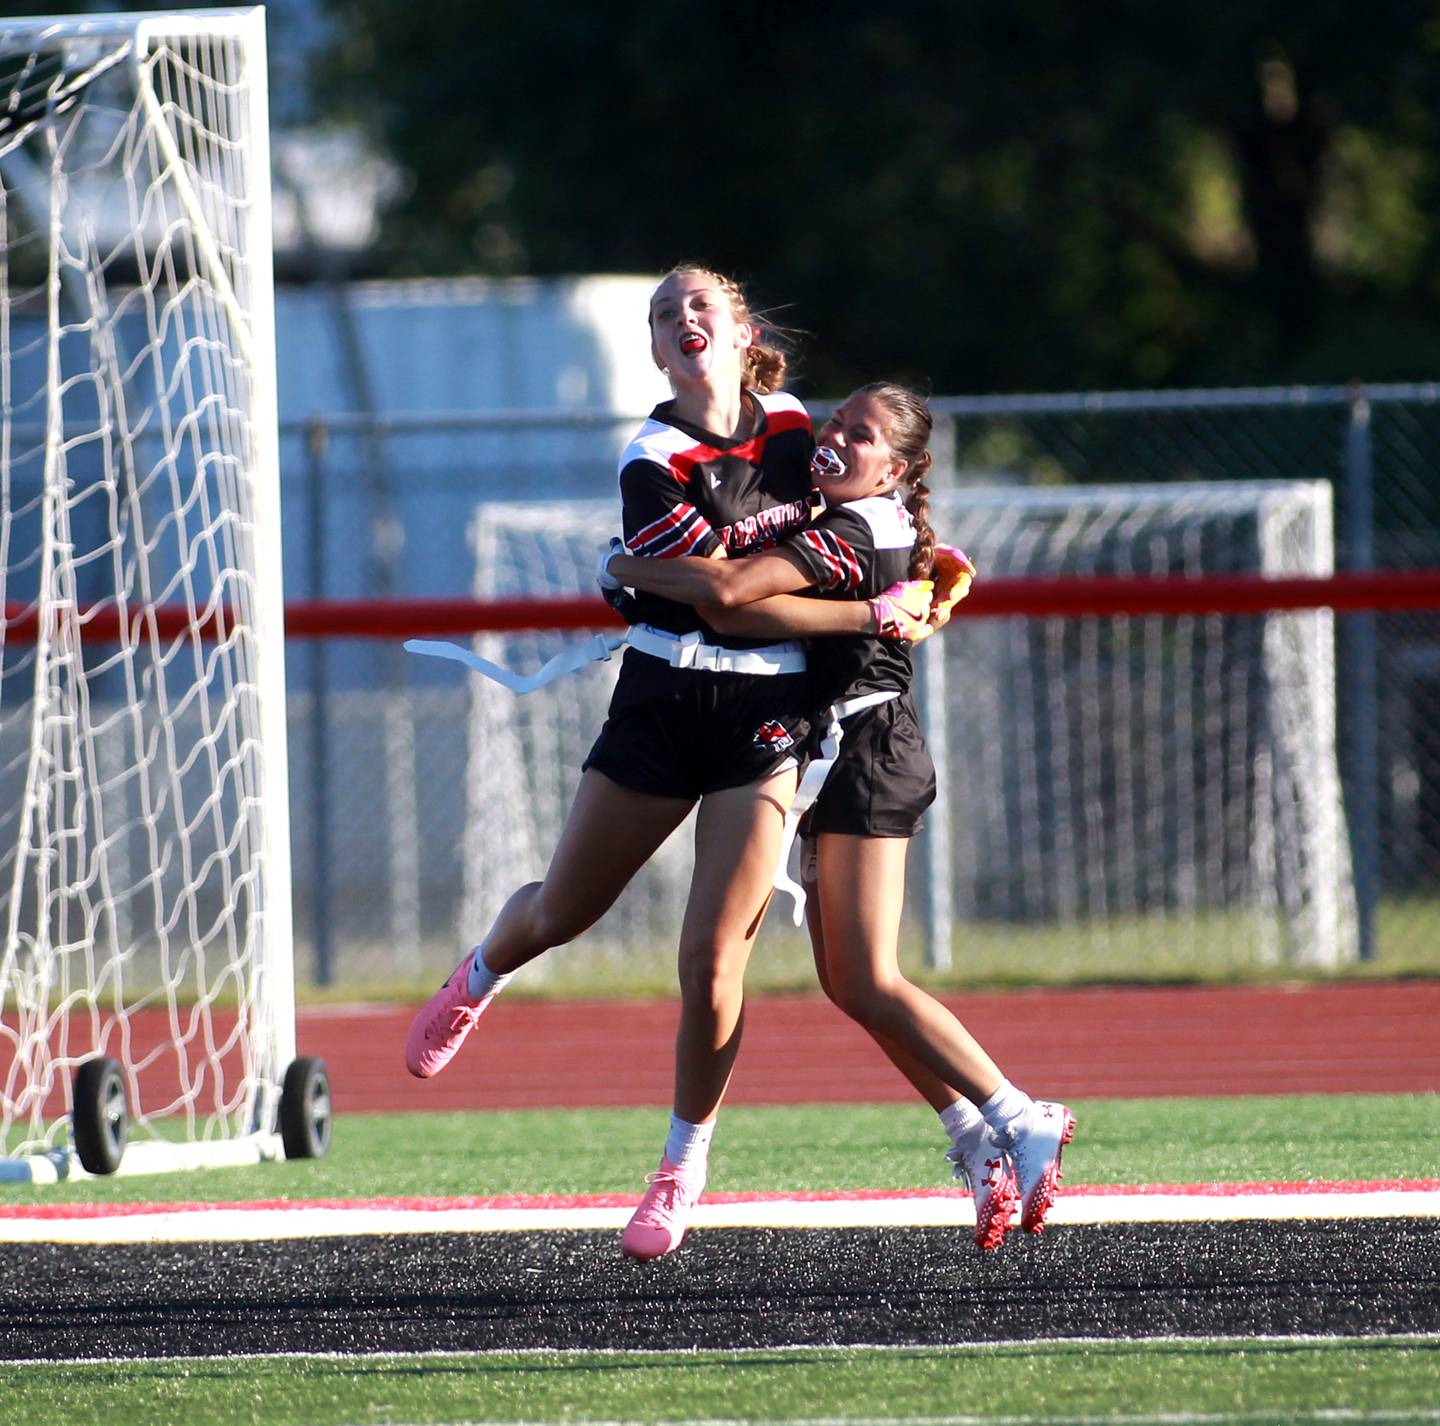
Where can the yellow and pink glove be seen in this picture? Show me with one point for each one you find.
(903, 611)
(915, 608)
(952, 574)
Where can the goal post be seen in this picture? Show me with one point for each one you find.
(1107, 783)
(1168, 776)
(147, 1010)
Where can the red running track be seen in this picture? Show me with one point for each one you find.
(1073, 1044)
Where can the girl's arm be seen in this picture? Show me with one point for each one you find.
(726, 593)
(901, 612)
(794, 616)
(716, 583)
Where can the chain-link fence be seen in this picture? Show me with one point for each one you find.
(379, 751)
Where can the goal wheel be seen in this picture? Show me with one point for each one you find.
(305, 1110)
(99, 1115)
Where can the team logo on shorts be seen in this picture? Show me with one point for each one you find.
(773, 736)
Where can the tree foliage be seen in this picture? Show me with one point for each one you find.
(1034, 195)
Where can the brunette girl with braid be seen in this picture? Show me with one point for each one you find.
(872, 777)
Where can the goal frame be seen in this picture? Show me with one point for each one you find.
(1302, 912)
(267, 1006)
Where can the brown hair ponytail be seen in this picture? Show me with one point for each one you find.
(917, 502)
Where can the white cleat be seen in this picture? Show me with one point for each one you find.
(1034, 1143)
(981, 1165)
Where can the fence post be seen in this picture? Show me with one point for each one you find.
(1362, 738)
(317, 443)
(937, 909)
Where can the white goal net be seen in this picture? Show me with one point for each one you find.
(1112, 781)
(144, 860)
(1152, 777)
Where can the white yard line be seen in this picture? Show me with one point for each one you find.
(230, 1223)
(640, 1355)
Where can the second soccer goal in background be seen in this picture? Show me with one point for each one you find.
(1159, 778)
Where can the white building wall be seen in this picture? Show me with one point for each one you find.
(470, 345)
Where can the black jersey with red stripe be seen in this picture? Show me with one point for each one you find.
(856, 551)
(686, 491)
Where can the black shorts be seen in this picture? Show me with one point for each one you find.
(681, 733)
(883, 780)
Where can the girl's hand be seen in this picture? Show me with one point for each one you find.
(607, 581)
(952, 573)
(903, 611)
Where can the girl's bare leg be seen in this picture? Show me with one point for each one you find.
(609, 835)
(737, 843)
(930, 1087)
(861, 892)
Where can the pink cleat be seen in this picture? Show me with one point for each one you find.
(659, 1223)
(1035, 1144)
(981, 1165)
(443, 1023)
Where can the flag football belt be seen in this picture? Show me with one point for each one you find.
(690, 651)
(600, 646)
(816, 771)
(678, 650)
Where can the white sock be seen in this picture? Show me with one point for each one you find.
(961, 1120)
(687, 1145)
(483, 981)
(1005, 1106)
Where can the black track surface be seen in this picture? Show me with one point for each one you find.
(730, 1288)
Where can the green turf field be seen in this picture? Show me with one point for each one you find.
(1178, 1383)
(1127, 1141)
(874, 1146)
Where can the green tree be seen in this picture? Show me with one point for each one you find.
(981, 197)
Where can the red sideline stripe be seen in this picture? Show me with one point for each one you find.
(49, 1211)
(1071, 597)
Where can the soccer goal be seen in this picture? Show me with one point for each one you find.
(1105, 782)
(146, 990)
(1170, 777)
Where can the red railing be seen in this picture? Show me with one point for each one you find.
(1076, 596)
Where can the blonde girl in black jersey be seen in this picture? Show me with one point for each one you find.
(874, 530)
(697, 717)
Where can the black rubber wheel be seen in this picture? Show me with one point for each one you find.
(99, 1115)
(305, 1110)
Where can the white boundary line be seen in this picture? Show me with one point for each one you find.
(1018, 1345)
(226, 1223)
